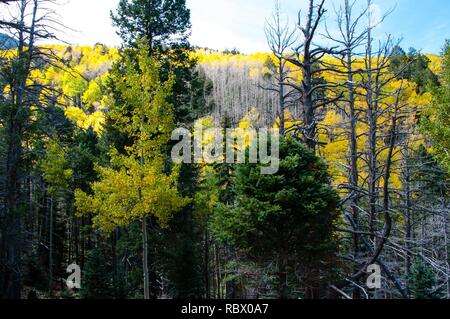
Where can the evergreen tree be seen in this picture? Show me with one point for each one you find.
(413, 66)
(423, 281)
(164, 23)
(57, 176)
(436, 120)
(284, 217)
(430, 180)
(96, 276)
(165, 26)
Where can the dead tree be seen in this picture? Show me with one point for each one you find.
(368, 102)
(351, 40)
(280, 38)
(308, 57)
(29, 26)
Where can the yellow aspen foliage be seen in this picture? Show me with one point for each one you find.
(289, 121)
(55, 168)
(136, 184)
(130, 193)
(92, 94)
(77, 116)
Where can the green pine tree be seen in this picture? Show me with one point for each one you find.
(436, 120)
(96, 276)
(423, 281)
(413, 66)
(165, 23)
(165, 26)
(282, 218)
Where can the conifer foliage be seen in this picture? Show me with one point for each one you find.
(86, 176)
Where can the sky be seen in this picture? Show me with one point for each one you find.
(227, 24)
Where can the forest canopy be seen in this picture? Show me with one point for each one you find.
(86, 175)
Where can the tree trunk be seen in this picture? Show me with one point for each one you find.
(50, 248)
(145, 259)
(354, 172)
(446, 241)
(206, 274)
(218, 272)
(231, 283)
(281, 97)
(283, 291)
(408, 224)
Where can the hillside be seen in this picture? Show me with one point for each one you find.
(7, 43)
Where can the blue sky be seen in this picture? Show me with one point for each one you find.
(221, 24)
(423, 24)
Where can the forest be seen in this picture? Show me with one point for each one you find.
(358, 209)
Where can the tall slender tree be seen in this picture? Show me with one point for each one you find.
(135, 186)
(280, 38)
(29, 25)
(314, 93)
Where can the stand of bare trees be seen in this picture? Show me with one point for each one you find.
(380, 125)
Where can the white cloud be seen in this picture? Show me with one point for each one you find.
(88, 22)
(217, 24)
(376, 15)
(222, 24)
(215, 36)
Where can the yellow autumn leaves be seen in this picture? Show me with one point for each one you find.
(137, 184)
